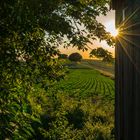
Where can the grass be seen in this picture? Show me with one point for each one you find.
(106, 69)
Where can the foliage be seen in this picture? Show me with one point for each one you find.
(108, 58)
(74, 118)
(63, 56)
(30, 33)
(102, 53)
(75, 57)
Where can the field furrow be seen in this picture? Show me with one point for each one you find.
(85, 82)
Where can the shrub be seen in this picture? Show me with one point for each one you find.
(74, 118)
(75, 57)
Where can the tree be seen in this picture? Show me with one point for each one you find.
(108, 58)
(75, 57)
(102, 53)
(30, 33)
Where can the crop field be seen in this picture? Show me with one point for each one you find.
(87, 82)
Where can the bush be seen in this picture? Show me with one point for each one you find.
(75, 57)
(74, 118)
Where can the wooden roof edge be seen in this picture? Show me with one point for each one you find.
(112, 5)
(117, 4)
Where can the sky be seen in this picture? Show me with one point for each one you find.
(109, 22)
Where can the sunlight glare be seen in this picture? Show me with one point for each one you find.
(115, 32)
(110, 27)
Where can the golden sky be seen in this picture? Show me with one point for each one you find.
(109, 22)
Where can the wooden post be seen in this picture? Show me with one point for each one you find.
(127, 70)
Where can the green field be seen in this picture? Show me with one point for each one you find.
(87, 82)
(88, 78)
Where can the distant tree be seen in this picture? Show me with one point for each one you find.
(63, 56)
(75, 57)
(99, 52)
(103, 54)
(108, 57)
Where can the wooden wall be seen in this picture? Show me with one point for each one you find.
(127, 70)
